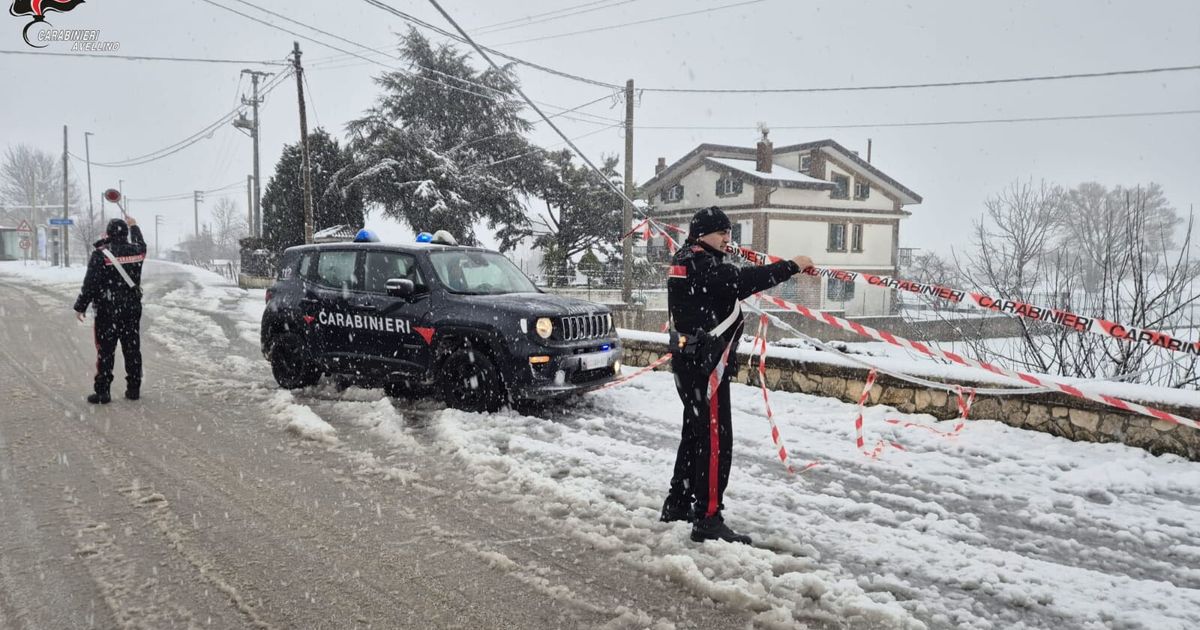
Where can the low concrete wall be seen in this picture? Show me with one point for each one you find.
(1057, 414)
(957, 330)
(247, 281)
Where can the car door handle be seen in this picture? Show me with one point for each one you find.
(366, 307)
(308, 300)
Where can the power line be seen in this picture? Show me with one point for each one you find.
(551, 19)
(186, 142)
(331, 46)
(938, 123)
(556, 115)
(490, 28)
(395, 57)
(479, 49)
(905, 86)
(422, 23)
(353, 43)
(144, 58)
(647, 21)
(537, 15)
(188, 195)
(153, 155)
(510, 158)
(311, 100)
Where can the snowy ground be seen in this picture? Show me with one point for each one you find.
(997, 528)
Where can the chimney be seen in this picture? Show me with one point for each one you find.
(868, 150)
(661, 166)
(765, 151)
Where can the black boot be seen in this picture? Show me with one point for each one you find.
(99, 398)
(714, 528)
(677, 508)
(133, 393)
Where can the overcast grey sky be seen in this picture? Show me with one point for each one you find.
(137, 107)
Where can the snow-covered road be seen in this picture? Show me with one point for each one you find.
(995, 528)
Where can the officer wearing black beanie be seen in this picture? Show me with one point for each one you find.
(703, 296)
(112, 286)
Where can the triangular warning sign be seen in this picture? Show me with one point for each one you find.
(24, 227)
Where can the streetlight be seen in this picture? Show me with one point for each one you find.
(158, 220)
(88, 152)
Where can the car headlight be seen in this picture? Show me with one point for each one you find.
(544, 327)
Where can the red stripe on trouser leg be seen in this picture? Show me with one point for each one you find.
(96, 343)
(714, 446)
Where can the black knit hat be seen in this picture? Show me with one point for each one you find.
(117, 229)
(707, 221)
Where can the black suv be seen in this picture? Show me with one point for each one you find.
(420, 319)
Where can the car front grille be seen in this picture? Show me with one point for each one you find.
(580, 327)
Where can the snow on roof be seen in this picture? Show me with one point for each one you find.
(778, 173)
(335, 232)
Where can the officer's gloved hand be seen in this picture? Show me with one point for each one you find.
(804, 262)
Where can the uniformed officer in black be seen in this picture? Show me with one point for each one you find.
(703, 296)
(117, 298)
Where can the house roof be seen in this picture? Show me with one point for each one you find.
(717, 152)
(779, 174)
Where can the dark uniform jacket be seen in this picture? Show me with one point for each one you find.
(703, 288)
(103, 285)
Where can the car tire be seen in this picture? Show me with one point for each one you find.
(291, 364)
(470, 381)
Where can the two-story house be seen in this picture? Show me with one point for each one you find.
(816, 198)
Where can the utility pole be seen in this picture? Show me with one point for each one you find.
(627, 216)
(66, 257)
(308, 201)
(87, 149)
(197, 197)
(250, 204)
(158, 219)
(252, 126)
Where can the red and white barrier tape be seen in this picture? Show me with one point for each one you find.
(860, 441)
(878, 335)
(624, 379)
(980, 301)
(884, 336)
(760, 344)
(644, 223)
(964, 409)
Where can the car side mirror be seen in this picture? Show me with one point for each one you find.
(399, 287)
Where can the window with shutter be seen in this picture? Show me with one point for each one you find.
(839, 290)
(729, 186)
(842, 182)
(862, 190)
(856, 237)
(837, 237)
(672, 194)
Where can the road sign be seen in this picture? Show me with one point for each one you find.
(24, 227)
(61, 221)
(24, 244)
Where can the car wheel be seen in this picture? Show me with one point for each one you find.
(471, 382)
(291, 364)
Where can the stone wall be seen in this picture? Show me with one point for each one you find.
(1057, 414)
(968, 328)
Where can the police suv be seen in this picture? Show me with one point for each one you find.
(431, 318)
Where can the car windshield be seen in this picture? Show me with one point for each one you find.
(479, 273)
